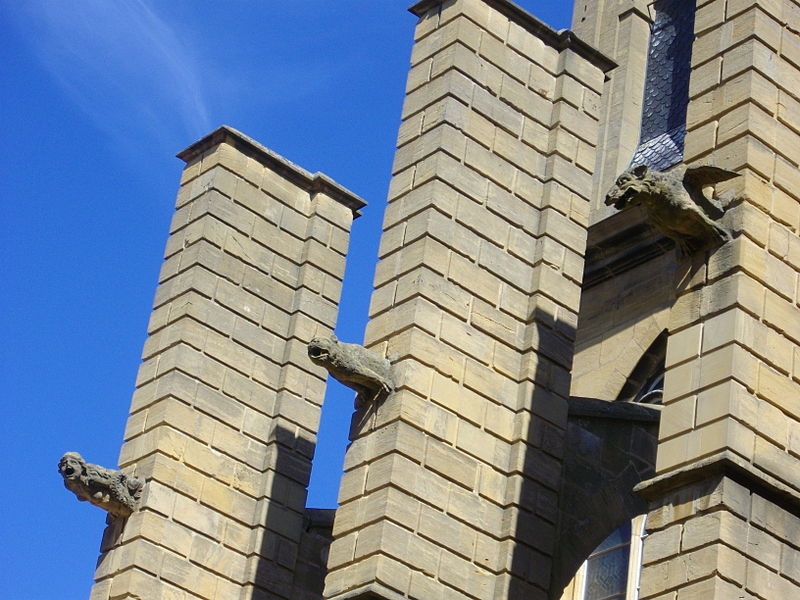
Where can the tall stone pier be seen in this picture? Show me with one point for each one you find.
(451, 484)
(224, 419)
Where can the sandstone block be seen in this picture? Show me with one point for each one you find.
(458, 29)
(477, 67)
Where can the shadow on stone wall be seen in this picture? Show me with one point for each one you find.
(312, 559)
(533, 514)
(294, 545)
(578, 479)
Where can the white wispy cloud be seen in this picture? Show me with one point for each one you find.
(122, 64)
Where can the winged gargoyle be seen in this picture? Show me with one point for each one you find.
(680, 202)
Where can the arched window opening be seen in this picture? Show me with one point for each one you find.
(652, 391)
(646, 381)
(612, 571)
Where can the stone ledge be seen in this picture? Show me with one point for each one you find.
(311, 182)
(623, 411)
(728, 464)
(560, 40)
(641, 10)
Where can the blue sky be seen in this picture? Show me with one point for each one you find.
(98, 96)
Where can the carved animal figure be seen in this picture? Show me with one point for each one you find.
(356, 367)
(110, 490)
(679, 202)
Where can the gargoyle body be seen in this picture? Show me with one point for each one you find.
(679, 202)
(353, 365)
(110, 490)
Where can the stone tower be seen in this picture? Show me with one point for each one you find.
(566, 375)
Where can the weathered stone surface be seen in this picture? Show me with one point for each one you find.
(224, 420)
(111, 490)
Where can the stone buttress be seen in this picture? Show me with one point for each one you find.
(224, 419)
(450, 484)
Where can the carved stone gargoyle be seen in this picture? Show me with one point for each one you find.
(680, 202)
(110, 490)
(369, 374)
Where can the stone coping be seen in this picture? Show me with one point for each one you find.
(560, 40)
(723, 464)
(642, 10)
(311, 182)
(604, 409)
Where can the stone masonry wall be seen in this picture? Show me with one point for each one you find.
(450, 485)
(732, 390)
(224, 419)
(620, 29)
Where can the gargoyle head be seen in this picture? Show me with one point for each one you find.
(72, 466)
(319, 349)
(633, 183)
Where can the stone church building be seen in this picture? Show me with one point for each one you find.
(581, 372)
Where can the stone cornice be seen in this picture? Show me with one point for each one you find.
(311, 182)
(727, 464)
(560, 40)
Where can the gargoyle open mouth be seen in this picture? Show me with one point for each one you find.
(318, 353)
(620, 199)
(70, 466)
